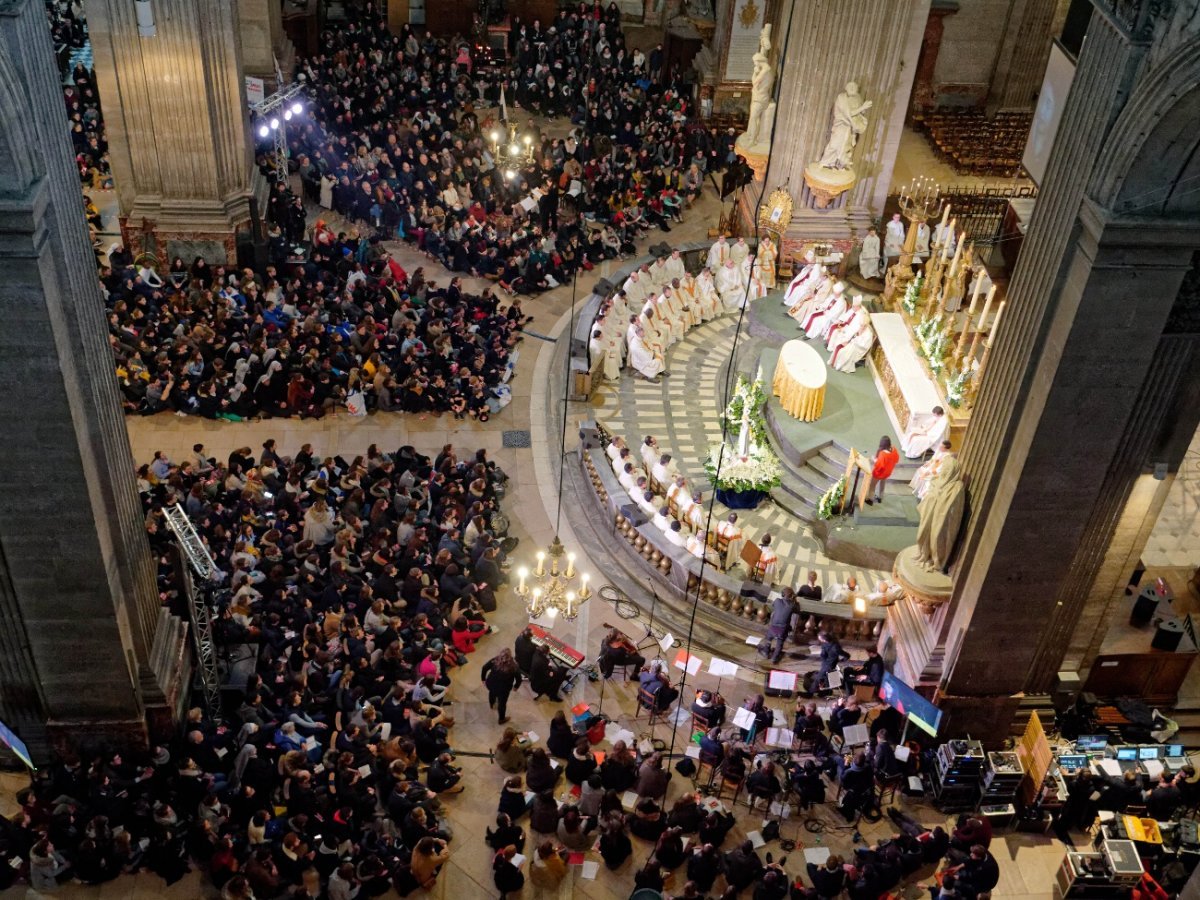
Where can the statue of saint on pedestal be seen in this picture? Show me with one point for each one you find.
(848, 123)
(940, 516)
(762, 82)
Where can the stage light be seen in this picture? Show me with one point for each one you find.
(263, 131)
(287, 115)
(274, 124)
(860, 606)
(495, 137)
(297, 107)
(510, 174)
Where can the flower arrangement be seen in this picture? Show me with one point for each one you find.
(956, 386)
(831, 500)
(749, 393)
(759, 470)
(912, 295)
(932, 341)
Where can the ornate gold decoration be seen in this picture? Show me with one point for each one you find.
(776, 215)
(749, 16)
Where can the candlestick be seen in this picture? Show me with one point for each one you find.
(962, 340)
(947, 238)
(975, 295)
(945, 215)
(958, 249)
(554, 565)
(541, 564)
(570, 603)
(971, 353)
(584, 593)
(996, 322)
(522, 574)
(987, 305)
(570, 565)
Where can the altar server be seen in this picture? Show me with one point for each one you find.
(718, 253)
(646, 358)
(729, 531)
(893, 240)
(925, 431)
(870, 263)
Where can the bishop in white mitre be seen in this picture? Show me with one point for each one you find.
(718, 253)
(818, 285)
(802, 278)
(819, 321)
(851, 338)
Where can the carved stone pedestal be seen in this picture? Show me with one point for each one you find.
(927, 589)
(828, 184)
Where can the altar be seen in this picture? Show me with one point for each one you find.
(903, 378)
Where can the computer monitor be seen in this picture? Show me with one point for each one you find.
(1148, 753)
(1091, 742)
(1127, 753)
(1174, 750)
(1072, 761)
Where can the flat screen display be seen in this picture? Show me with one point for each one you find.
(910, 704)
(1127, 753)
(1148, 753)
(1091, 742)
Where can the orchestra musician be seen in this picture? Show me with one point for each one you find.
(709, 706)
(545, 677)
(656, 681)
(618, 650)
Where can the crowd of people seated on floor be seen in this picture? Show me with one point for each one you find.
(346, 330)
(392, 141)
(355, 589)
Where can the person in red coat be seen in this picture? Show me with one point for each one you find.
(886, 458)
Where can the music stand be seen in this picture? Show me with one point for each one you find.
(751, 554)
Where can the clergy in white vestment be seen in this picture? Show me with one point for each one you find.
(802, 277)
(669, 311)
(847, 325)
(659, 273)
(614, 448)
(685, 302)
(739, 251)
(654, 331)
(646, 502)
(924, 477)
(729, 531)
(675, 266)
(847, 355)
(678, 492)
(695, 514)
(816, 289)
(886, 593)
(843, 593)
(893, 240)
(925, 431)
(674, 535)
(730, 286)
(608, 353)
(768, 256)
(870, 262)
(635, 290)
(708, 301)
(624, 456)
(628, 479)
(921, 251)
(718, 253)
(646, 358)
(697, 546)
(756, 288)
(768, 561)
(822, 317)
(664, 471)
(944, 234)
(662, 519)
(650, 452)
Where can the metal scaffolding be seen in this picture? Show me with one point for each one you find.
(201, 563)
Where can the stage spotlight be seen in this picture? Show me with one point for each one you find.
(860, 606)
(297, 108)
(263, 131)
(274, 124)
(510, 174)
(287, 115)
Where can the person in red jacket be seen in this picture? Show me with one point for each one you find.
(886, 458)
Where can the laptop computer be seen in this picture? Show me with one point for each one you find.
(1149, 752)
(1127, 759)
(1175, 758)
(1071, 763)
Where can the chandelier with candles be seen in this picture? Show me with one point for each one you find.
(552, 588)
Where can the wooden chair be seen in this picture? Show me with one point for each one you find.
(648, 702)
(712, 761)
(808, 740)
(886, 787)
(727, 781)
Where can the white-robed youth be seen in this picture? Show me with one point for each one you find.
(925, 431)
(870, 264)
(893, 237)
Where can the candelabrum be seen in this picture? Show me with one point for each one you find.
(918, 201)
(552, 588)
(512, 153)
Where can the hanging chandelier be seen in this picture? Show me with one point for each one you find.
(511, 154)
(552, 589)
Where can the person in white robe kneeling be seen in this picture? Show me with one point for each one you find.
(646, 358)
(821, 319)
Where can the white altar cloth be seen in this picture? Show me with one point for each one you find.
(918, 392)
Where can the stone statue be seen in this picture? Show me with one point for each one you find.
(848, 123)
(941, 514)
(762, 82)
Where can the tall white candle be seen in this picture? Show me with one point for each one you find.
(987, 305)
(996, 324)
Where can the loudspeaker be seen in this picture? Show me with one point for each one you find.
(1168, 635)
(634, 514)
(603, 287)
(589, 436)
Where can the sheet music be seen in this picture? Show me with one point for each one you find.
(692, 663)
(781, 681)
(667, 641)
(743, 718)
(816, 855)
(856, 734)
(722, 668)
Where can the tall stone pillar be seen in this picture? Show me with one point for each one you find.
(1083, 374)
(1024, 50)
(923, 98)
(828, 43)
(175, 111)
(79, 608)
(264, 42)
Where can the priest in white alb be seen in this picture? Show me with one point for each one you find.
(659, 273)
(685, 301)
(718, 253)
(698, 548)
(708, 301)
(851, 337)
(752, 278)
(739, 250)
(675, 266)
(893, 240)
(646, 358)
(925, 431)
(768, 256)
(815, 290)
(729, 531)
(821, 318)
(731, 286)
(608, 352)
(635, 290)
(921, 251)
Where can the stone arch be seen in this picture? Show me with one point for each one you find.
(1151, 166)
(19, 167)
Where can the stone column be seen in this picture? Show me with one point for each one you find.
(829, 43)
(79, 606)
(175, 111)
(1024, 50)
(923, 97)
(1077, 379)
(264, 42)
